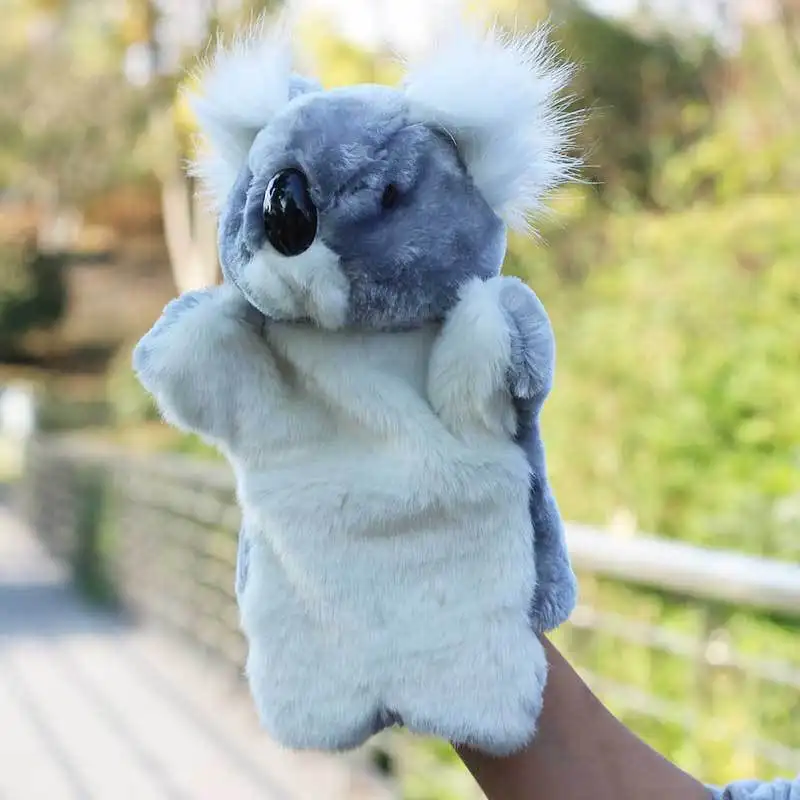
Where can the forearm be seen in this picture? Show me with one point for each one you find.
(580, 752)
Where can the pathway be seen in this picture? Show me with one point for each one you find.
(93, 708)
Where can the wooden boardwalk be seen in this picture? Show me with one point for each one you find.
(93, 708)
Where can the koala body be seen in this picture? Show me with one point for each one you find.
(376, 384)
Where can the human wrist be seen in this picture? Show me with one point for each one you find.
(580, 750)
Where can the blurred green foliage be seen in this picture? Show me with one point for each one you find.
(32, 293)
(128, 401)
(679, 344)
(93, 536)
(68, 116)
(649, 99)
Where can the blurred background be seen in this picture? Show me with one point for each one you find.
(672, 276)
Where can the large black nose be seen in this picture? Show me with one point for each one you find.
(290, 217)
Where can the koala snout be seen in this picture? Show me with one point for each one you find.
(290, 216)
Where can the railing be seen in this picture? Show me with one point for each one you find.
(732, 622)
(698, 650)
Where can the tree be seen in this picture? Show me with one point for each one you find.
(189, 226)
(68, 117)
(73, 123)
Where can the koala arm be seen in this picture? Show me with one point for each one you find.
(556, 588)
(496, 345)
(530, 379)
(467, 384)
(207, 365)
(491, 371)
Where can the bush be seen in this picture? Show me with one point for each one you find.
(33, 293)
(678, 350)
(649, 95)
(91, 559)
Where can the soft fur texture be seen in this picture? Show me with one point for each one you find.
(501, 99)
(389, 560)
(378, 394)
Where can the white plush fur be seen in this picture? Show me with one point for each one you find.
(467, 380)
(310, 285)
(392, 561)
(500, 98)
(238, 90)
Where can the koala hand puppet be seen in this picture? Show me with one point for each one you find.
(376, 385)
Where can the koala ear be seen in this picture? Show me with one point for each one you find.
(500, 98)
(238, 90)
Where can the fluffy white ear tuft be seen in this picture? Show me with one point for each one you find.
(500, 98)
(239, 89)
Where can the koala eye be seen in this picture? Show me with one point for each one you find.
(290, 217)
(391, 195)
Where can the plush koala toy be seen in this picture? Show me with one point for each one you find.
(376, 386)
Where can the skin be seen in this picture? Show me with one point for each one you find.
(581, 752)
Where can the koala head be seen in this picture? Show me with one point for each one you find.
(369, 206)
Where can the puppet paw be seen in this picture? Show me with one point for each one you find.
(227, 299)
(172, 312)
(554, 602)
(532, 353)
(488, 699)
(182, 305)
(157, 337)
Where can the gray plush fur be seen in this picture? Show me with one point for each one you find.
(404, 265)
